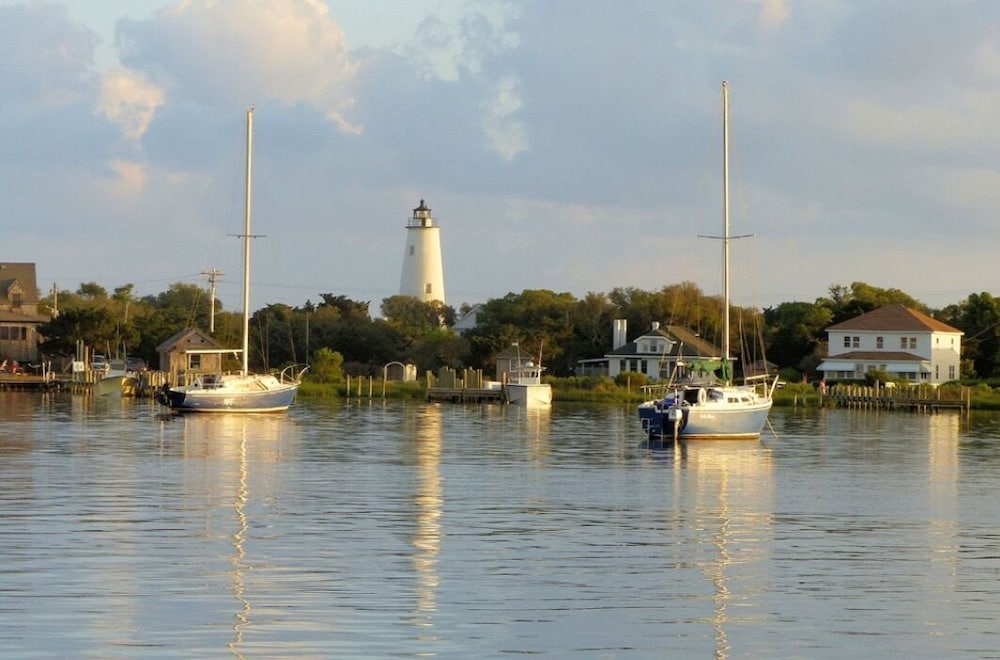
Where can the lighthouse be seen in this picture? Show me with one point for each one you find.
(423, 273)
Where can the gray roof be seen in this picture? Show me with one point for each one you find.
(685, 344)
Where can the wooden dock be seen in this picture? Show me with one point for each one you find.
(466, 395)
(9, 381)
(913, 399)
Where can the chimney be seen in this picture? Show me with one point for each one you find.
(619, 334)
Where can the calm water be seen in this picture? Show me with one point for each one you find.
(364, 529)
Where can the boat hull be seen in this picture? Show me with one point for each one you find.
(539, 394)
(252, 395)
(117, 386)
(666, 418)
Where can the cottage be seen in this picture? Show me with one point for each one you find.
(654, 353)
(181, 364)
(903, 342)
(19, 316)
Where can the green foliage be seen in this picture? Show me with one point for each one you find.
(877, 376)
(795, 330)
(326, 367)
(414, 318)
(631, 379)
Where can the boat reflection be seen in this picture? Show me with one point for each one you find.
(728, 488)
(236, 444)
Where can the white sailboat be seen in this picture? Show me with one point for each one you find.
(240, 391)
(712, 407)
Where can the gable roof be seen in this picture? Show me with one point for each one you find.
(684, 343)
(894, 318)
(187, 336)
(22, 274)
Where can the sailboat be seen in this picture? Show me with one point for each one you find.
(701, 406)
(240, 391)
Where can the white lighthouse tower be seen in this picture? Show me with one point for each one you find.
(423, 273)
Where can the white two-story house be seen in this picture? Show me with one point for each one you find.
(903, 342)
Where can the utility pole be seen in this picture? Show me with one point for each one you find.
(213, 277)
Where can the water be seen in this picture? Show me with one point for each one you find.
(364, 529)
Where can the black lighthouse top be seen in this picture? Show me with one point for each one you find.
(421, 216)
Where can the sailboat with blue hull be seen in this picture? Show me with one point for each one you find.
(242, 391)
(696, 403)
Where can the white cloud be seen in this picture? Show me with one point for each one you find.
(506, 135)
(129, 100)
(774, 13)
(215, 51)
(129, 178)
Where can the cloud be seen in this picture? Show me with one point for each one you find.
(129, 178)
(774, 13)
(218, 51)
(129, 100)
(44, 56)
(505, 133)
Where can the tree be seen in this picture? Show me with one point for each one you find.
(979, 318)
(93, 326)
(413, 317)
(537, 319)
(327, 366)
(847, 302)
(794, 330)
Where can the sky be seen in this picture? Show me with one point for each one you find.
(569, 145)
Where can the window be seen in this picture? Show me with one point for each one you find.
(411, 250)
(855, 342)
(913, 342)
(16, 300)
(902, 342)
(194, 361)
(879, 343)
(427, 288)
(847, 342)
(951, 372)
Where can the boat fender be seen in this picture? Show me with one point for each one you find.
(701, 396)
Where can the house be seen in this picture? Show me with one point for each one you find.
(512, 359)
(19, 317)
(903, 342)
(181, 366)
(469, 320)
(654, 353)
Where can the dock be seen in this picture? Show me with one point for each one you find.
(466, 395)
(9, 381)
(912, 399)
(464, 386)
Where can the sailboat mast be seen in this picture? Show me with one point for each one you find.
(246, 246)
(725, 224)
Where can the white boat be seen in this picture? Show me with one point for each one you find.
(118, 380)
(696, 405)
(240, 391)
(524, 384)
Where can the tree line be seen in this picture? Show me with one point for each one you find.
(559, 326)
